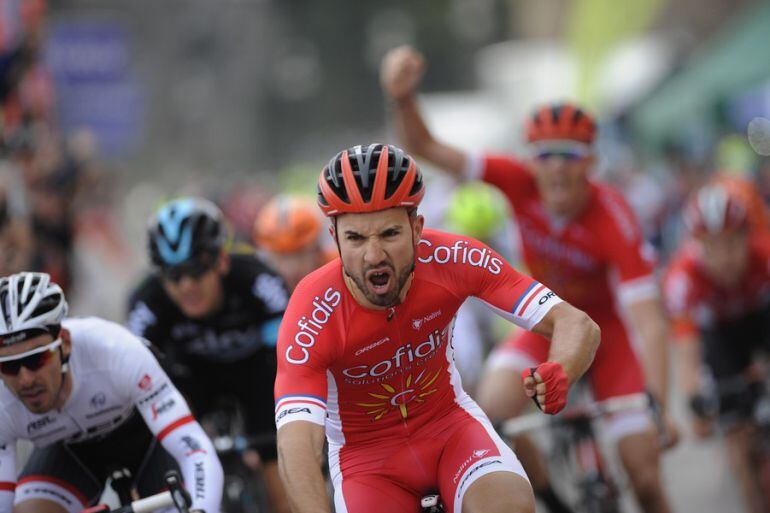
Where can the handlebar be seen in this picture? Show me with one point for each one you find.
(520, 425)
(176, 496)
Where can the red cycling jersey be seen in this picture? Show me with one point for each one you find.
(587, 259)
(592, 260)
(379, 379)
(695, 302)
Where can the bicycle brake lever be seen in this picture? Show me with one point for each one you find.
(534, 397)
(179, 495)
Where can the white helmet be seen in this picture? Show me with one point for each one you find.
(30, 304)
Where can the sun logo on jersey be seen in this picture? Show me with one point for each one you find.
(415, 390)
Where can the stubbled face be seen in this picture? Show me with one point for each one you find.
(38, 390)
(378, 252)
(562, 182)
(199, 296)
(726, 256)
(296, 265)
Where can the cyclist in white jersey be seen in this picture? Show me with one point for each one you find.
(73, 387)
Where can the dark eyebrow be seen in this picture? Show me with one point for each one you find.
(394, 227)
(351, 232)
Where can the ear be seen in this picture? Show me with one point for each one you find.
(223, 262)
(417, 226)
(66, 344)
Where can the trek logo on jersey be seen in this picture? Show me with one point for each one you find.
(460, 253)
(200, 480)
(310, 326)
(417, 323)
(401, 360)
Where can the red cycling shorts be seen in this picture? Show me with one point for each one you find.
(446, 456)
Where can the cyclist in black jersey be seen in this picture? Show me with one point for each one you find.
(215, 315)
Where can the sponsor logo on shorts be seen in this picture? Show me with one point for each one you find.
(461, 253)
(310, 326)
(41, 491)
(474, 470)
(476, 455)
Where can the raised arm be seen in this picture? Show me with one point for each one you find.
(400, 74)
(300, 449)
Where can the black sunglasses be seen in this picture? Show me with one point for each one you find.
(34, 361)
(563, 154)
(194, 269)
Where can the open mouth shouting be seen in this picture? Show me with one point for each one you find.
(380, 280)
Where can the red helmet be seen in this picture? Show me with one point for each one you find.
(561, 121)
(714, 210)
(369, 178)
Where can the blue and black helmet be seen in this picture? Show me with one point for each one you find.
(184, 229)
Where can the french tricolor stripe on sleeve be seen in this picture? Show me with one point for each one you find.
(531, 306)
(300, 407)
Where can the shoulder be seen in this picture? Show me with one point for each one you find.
(439, 250)
(149, 291)
(148, 303)
(101, 340)
(252, 277)
(613, 213)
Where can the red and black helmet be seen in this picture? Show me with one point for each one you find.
(713, 209)
(561, 121)
(369, 178)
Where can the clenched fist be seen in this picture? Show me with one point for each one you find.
(401, 71)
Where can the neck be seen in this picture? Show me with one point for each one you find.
(572, 209)
(64, 391)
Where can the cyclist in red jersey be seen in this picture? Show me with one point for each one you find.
(717, 290)
(366, 351)
(578, 237)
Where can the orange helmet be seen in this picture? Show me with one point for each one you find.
(369, 178)
(286, 224)
(561, 121)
